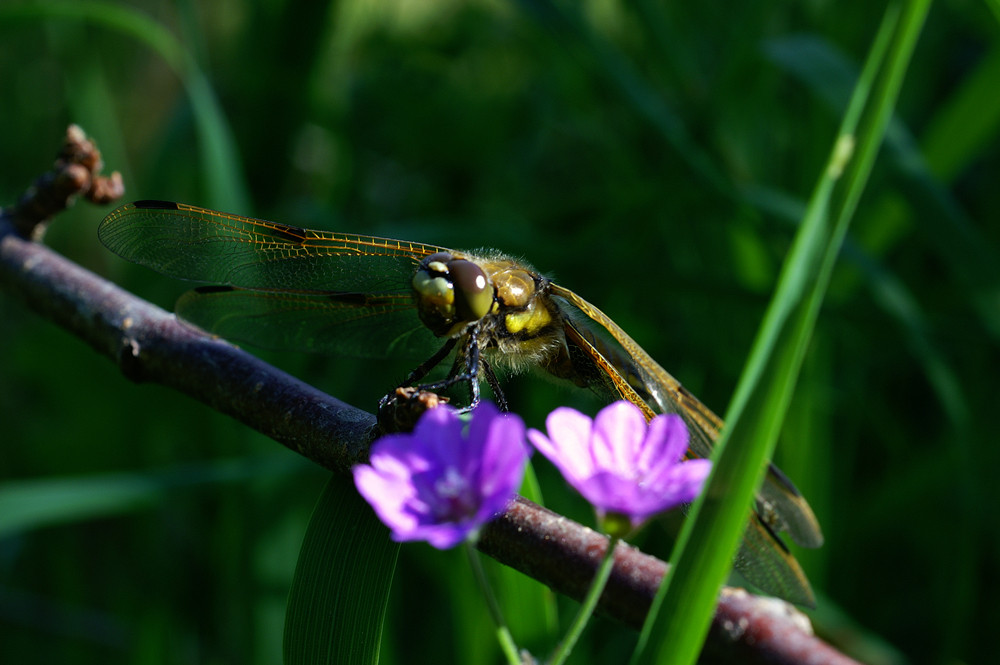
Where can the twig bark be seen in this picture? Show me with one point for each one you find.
(149, 344)
(76, 173)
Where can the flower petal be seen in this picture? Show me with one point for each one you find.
(504, 456)
(619, 430)
(387, 496)
(567, 444)
(683, 481)
(439, 434)
(619, 463)
(442, 536)
(440, 486)
(665, 442)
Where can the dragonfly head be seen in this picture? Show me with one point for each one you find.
(451, 293)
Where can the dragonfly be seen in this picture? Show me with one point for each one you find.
(284, 287)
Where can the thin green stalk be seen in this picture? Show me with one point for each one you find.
(507, 644)
(589, 604)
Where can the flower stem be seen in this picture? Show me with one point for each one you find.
(589, 603)
(506, 640)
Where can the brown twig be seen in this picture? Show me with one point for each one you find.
(149, 344)
(76, 172)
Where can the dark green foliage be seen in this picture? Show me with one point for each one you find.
(651, 156)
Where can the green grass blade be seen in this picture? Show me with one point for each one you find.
(959, 240)
(994, 6)
(33, 504)
(963, 127)
(827, 73)
(224, 183)
(709, 538)
(337, 603)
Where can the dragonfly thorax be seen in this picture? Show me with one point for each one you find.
(451, 293)
(524, 329)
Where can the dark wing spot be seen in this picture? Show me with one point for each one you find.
(214, 289)
(780, 476)
(289, 233)
(777, 539)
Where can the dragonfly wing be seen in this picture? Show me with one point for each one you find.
(628, 372)
(192, 243)
(782, 506)
(365, 326)
(297, 289)
(762, 558)
(780, 503)
(772, 568)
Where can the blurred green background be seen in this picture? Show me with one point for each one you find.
(654, 157)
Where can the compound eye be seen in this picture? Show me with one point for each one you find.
(473, 291)
(437, 263)
(435, 292)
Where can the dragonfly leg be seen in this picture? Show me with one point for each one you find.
(491, 379)
(421, 370)
(465, 370)
(473, 362)
(399, 410)
(469, 364)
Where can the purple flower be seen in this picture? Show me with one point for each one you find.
(440, 486)
(621, 465)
